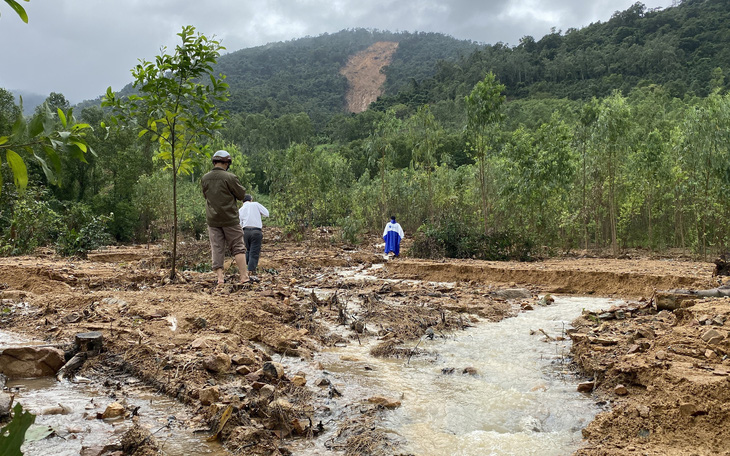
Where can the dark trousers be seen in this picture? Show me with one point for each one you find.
(252, 238)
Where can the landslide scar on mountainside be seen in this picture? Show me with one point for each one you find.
(363, 74)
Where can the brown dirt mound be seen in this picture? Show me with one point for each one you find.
(676, 380)
(603, 277)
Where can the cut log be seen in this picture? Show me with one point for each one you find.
(675, 299)
(72, 365)
(90, 342)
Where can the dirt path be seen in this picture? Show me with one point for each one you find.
(216, 347)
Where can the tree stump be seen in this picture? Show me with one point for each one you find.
(89, 342)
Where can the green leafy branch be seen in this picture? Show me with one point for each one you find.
(18, 9)
(43, 140)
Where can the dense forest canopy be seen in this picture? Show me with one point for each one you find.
(613, 136)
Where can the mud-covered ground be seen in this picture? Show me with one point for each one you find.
(219, 348)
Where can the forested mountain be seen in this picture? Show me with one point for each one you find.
(679, 47)
(303, 75)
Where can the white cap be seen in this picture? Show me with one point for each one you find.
(221, 155)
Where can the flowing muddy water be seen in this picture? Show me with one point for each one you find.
(77, 427)
(522, 400)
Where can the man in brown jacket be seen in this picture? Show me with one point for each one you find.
(221, 190)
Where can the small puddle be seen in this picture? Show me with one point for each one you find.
(522, 400)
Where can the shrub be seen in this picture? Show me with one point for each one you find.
(452, 238)
(32, 222)
(82, 231)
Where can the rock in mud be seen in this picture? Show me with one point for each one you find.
(220, 362)
(713, 337)
(59, 409)
(586, 387)
(384, 402)
(621, 390)
(73, 317)
(267, 391)
(29, 362)
(139, 441)
(113, 410)
(513, 293)
(210, 395)
(358, 326)
(299, 380)
(273, 370)
(6, 402)
(299, 426)
(469, 370)
(282, 404)
(243, 370)
(689, 409)
(245, 358)
(91, 342)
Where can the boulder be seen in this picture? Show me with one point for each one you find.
(384, 402)
(113, 410)
(29, 362)
(6, 402)
(220, 362)
(621, 390)
(210, 395)
(586, 387)
(273, 370)
(245, 358)
(713, 336)
(299, 380)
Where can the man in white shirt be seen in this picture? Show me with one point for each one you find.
(250, 217)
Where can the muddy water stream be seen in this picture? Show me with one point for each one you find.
(522, 400)
(77, 426)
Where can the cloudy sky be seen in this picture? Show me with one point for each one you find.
(80, 47)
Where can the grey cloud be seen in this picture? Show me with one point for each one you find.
(79, 47)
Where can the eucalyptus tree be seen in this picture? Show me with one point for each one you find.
(424, 134)
(706, 139)
(649, 163)
(612, 136)
(540, 169)
(587, 119)
(379, 147)
(176, 103)
(483, 108)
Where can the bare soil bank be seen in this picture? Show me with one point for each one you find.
(216, 347)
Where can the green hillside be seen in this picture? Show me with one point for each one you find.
(303, 75)
(679, 47)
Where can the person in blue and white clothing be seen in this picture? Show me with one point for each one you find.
(392, 235)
